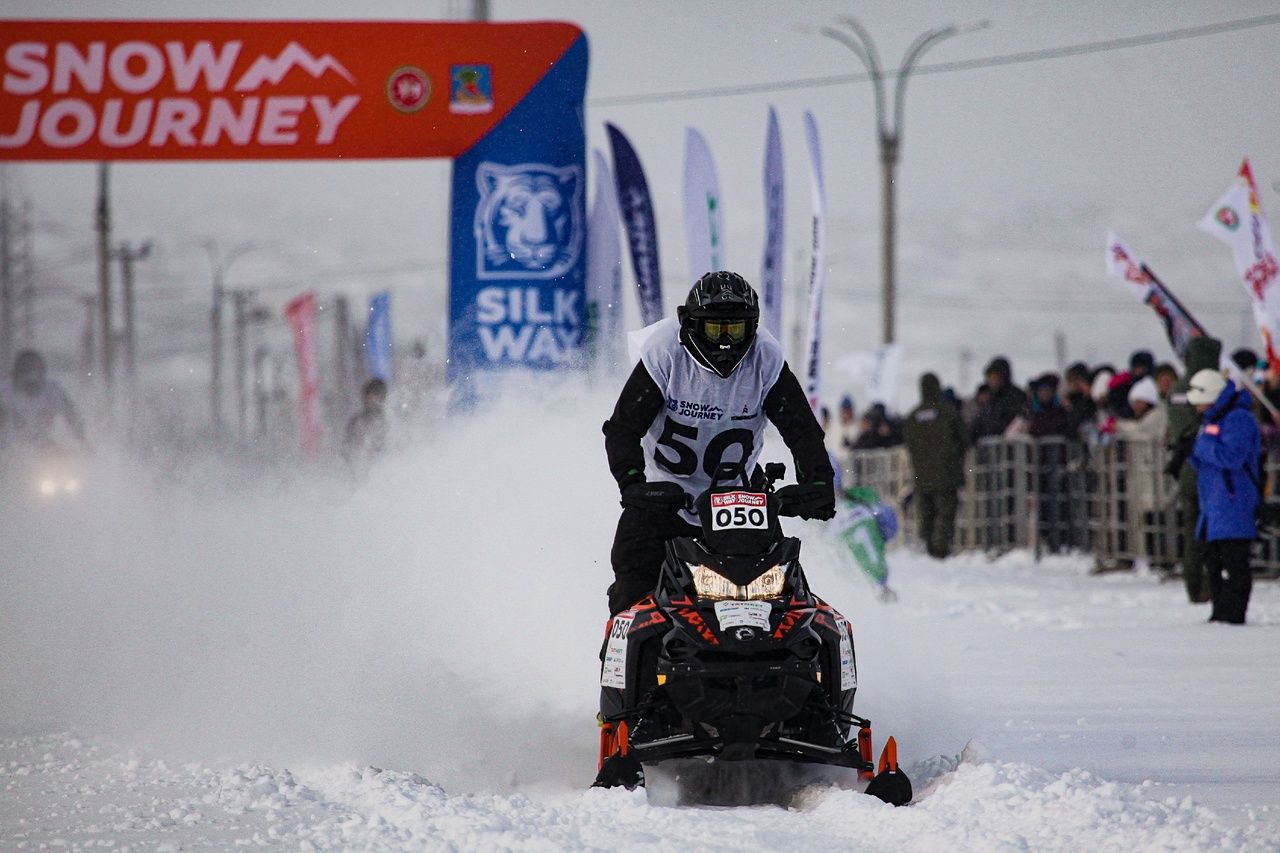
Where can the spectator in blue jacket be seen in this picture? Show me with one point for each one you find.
(1226, 457)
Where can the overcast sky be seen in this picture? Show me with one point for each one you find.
(1044, 155)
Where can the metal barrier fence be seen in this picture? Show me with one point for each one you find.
(1051, 495)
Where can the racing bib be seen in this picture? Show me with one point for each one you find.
(739, 511)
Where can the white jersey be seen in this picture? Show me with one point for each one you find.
(708, 421)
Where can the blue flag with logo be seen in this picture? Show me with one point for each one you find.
(377, 337)
(642, 232)
(518, 247)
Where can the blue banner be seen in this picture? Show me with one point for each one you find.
(377, 337)
(642, 231)
(518, 250)
(774, 237)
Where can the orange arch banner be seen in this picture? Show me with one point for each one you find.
(219, 90)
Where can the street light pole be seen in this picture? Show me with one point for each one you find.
(889, 135)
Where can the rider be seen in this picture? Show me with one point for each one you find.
(699, 397)
(33, 404)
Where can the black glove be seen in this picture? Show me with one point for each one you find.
(658, 497)
(808, 500)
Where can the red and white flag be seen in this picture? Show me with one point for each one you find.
(1237, 220)
(301, 313)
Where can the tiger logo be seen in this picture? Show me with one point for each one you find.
(529, 222)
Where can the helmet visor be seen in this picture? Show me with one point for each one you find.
(735, 331)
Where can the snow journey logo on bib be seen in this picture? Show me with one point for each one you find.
(697, 411)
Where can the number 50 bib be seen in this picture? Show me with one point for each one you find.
(708, 421)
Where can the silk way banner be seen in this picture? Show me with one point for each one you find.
(301, 314)
(518, 253)
(1179, 326)
(1237, 220)
(774, 242)
(703, 219)
(377, 337)
(817, 263)
(642, 231)
(604, 268)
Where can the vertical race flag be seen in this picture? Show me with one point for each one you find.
(604, 268)
(1237, 220)
(377, 337)
(1179, 325)
(518, 251)
(817, 263)
(774, 243)
(703, 220)
(301, 314)
(642, 232)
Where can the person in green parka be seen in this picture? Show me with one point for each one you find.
(1184, 422)
(936, 442)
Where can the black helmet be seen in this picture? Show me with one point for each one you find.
(718, 321)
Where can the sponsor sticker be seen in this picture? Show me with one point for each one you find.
(848, 670)
(739, 511)
(746, 614)
(614, 672)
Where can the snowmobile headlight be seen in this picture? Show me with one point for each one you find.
(72, 486)
(710, 584)
(48, 487)
(768, 585)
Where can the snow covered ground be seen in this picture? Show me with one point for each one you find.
(410, 664)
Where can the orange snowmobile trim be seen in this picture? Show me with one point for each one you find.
(865, 750)
(889, 757)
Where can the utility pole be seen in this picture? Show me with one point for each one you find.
(127, 255)
(104, 277)
(260, 355)
(221, 264)
(240, 303)
(889, 135)
(88, 347)
(6, 278)
(26, 275)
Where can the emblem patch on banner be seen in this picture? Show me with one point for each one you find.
(1227, 218)
(528, 224)
(470, 89)
(408, 89)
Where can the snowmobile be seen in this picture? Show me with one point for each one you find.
(733, 658)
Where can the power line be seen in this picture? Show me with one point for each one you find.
(1018, 58)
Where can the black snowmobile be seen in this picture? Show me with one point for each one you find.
(733, 657)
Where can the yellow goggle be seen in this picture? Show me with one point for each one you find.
(734, 330)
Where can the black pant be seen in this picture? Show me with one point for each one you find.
(638, 549)
(938, 521)
(1230, 594)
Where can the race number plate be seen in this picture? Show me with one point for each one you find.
(614, 672)
(739, 511)
(848, 671)
(738, 614)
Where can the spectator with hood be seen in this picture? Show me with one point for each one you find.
(877, 430)
(1048, 416)
(935, 439)
(1150, 419)
(1079, 401)
(1006, 403)
(1166, 377)
(1184, 423)
(1225, 456)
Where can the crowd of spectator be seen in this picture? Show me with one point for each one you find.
(1142, 400)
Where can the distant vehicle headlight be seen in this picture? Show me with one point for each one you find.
(48, 486)
(71, 486)
(713, 586)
